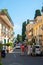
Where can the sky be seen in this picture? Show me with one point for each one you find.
(20, 11)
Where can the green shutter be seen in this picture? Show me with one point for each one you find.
(4, 41)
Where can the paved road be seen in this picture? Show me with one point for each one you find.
(17, 51)
(16, 59)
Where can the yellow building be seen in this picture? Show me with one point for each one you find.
(38, 29)
(35, 30)
(6, 29)
(29, 30)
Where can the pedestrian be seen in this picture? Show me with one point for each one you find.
(22, 49)
(28, 52)
(25, 49)
(33, 50)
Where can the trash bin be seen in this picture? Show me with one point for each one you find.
(3, 54)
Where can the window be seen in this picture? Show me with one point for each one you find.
(3, 29)
(6, 31)
(4, 41)
(8, 40)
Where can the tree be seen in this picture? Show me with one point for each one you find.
(42, 9)
(19, 38)
(27, 21)
(23, 30)
(3, 11)
(37, 13)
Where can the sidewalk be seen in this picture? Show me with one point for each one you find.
(11, 50)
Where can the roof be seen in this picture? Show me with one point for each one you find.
(1, 13)
(6, 20)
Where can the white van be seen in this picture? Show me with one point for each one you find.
(37, 49)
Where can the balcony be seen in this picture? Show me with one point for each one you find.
(3, 32)
(12, 34)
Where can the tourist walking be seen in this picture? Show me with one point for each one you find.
(22, 49)
(25, 50)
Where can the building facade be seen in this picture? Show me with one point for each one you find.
(6, 29)
(36, 30)
(29, 30)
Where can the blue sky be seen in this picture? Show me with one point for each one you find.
(20, 11)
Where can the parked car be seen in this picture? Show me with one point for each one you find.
(38, 50)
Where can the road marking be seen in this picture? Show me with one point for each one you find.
(16, 64)
(14, 55)
(16, 52)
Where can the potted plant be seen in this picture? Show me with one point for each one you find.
(9, 46)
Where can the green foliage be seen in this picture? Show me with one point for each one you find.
(42, 9)
(37, 13)
(23, 30)
(19, 38)
(29, 43)
(1, 63)
(1, 47)
(9, 44)
(27, 21)
(33, 40)
(3, 11)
